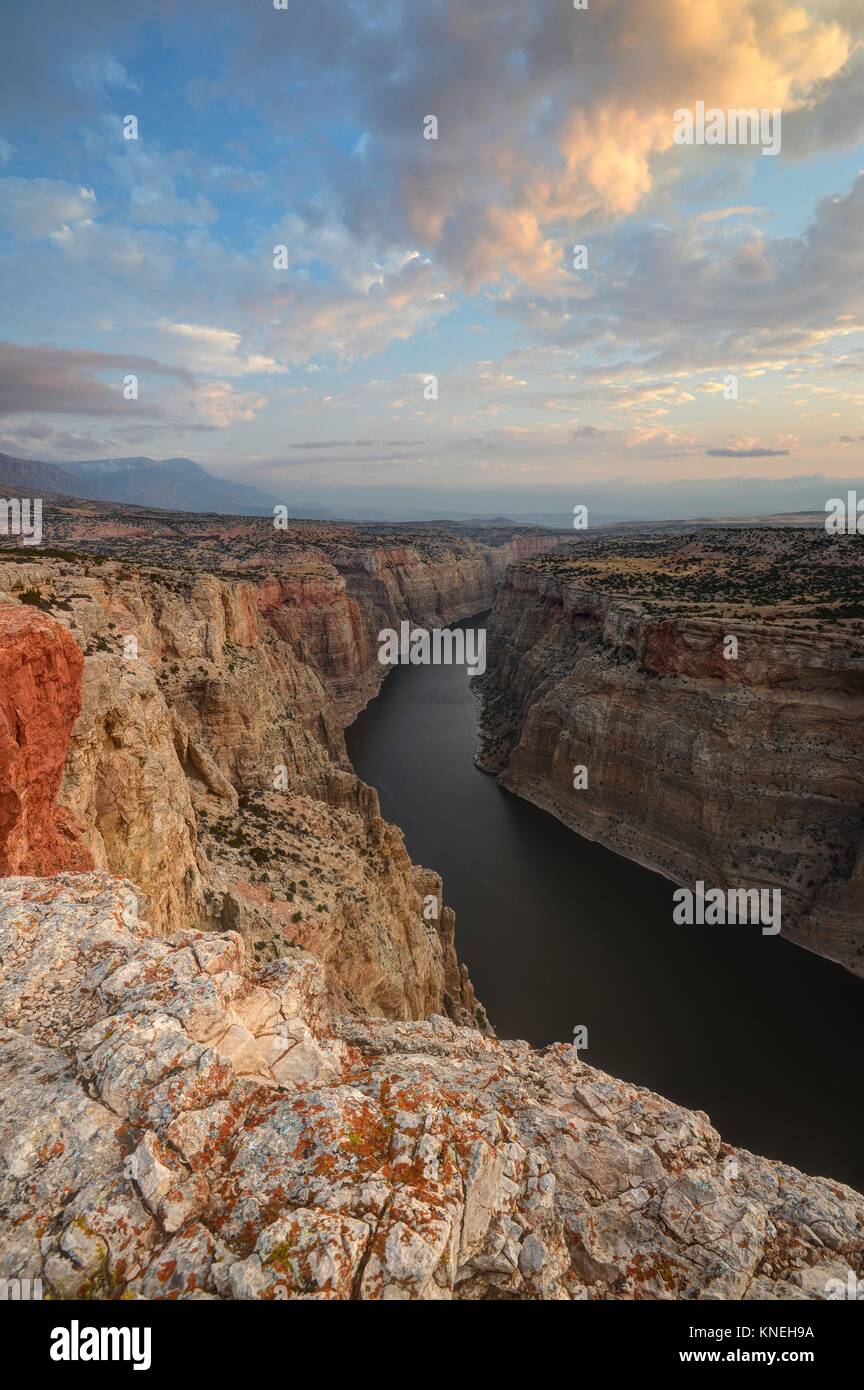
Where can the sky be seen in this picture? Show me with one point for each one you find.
(427, 336)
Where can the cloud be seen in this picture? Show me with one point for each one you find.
(835, 118)
(49, 49)
(163, 188)
(721, 214)
(217, 405)
(746, 453)
(207, 349)
(690, 298)
(38, 207)
(586, 117)
(100, 73)
(354, 443)
(547, 115)
(554, 129)
(146, 205)
(356, 314)
(50, 381)
(662, 439)
(41, 441)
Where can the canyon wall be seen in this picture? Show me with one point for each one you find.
(739, 773)
(333, 610)
(207, 761)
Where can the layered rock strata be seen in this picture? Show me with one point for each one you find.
(743, 772)
(208, 763)
(176, 1124)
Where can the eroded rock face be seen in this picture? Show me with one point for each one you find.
(740, 773)
(180, 1125)
(208, 761)
(349, 893)
(125, 783)
(40, 696)
(332, 610)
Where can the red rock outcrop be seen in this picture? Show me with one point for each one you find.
(40, 697)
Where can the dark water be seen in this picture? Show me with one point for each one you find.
(557, 931)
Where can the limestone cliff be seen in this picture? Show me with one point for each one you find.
(208, 765)
(332, 611)
(738, 772)
(175, 1124)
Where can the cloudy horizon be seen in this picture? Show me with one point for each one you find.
(315, 298)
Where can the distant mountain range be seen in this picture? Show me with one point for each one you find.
(26, 477)
(180, 485)
(176, 484)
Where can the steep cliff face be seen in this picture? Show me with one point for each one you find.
(333, 611)
(208, 762)
(40, 696)
(124, 782)
(744, 772)
(176, 1124)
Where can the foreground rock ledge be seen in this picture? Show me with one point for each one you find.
(175, 1124)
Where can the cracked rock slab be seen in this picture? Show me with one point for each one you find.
(175, 1123)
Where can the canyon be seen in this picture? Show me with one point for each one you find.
(241, 1056)
(743, 771)
(208, 762)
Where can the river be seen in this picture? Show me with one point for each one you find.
(557, 931)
